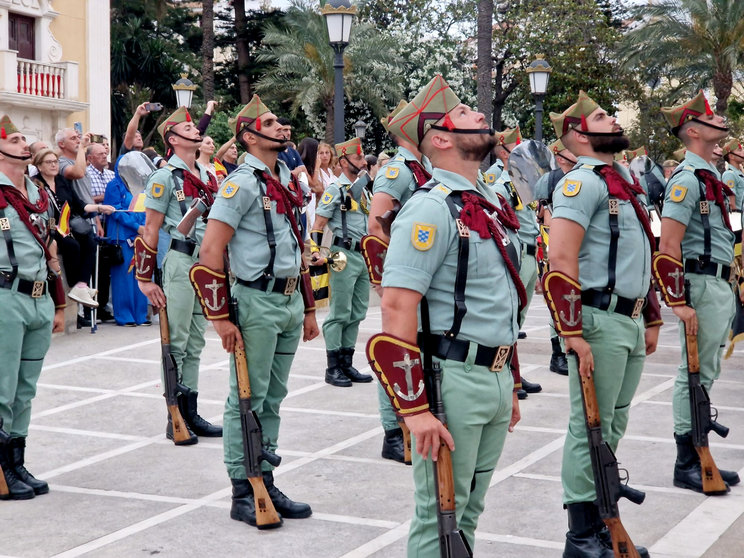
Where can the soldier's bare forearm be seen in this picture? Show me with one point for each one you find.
(399, 313)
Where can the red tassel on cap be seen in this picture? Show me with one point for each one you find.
(448, 122)
(3, 135)
(258, 124)
(584, 125)
(188, 117)
(359, 149)
(708, 110)
(519, 140)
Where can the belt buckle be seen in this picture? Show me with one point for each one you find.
(290, 286)
(638, 308)
(38, 289)
(499, 360)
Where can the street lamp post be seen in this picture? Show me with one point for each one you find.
(360, 129)
(184, 89)
(539, 72)
(338, 15)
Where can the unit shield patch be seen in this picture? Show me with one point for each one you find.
(327, 197)
(230, 190)
(157, 190)
(677, 193)
(392, 172)
(422, 236)
(571, 188)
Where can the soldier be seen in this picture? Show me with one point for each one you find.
(446, 247)
(169, 193)
(498, 178)
(698, 246)
(344, 209)
(255, 216)
(600, 245)
(733, 154)
(651, 177)
(33, 301)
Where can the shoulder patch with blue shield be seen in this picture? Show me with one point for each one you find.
(422, 236)
(677, 193)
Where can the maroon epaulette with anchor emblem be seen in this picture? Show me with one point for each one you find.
(211, 288)
(670, 275)
(652, 310)
(56, 290)
(374, 250)
(306, 289)
(144, 260)
(397, 365)
(563, 295)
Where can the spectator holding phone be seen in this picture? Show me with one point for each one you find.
(133, 137)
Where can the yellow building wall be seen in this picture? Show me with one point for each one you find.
(71, 32)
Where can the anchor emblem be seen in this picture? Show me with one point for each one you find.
(141, 260)
(407, 364)
(677, 292)
(214, 286)
(377, 269)
(573, 319)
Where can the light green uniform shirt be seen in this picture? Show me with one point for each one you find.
(581, 196)
(356, 217)
(396, 179)
(734, 179)
(239, 203)
(423, 256)
(682, 203)
(28, 252)
(528, 229)
(160, 195)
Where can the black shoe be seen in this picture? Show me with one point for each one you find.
(558, 362)
(191, 440)
(199, 426)
(687, 469)
(530, 387)
(17, 448)
(286, 507)
(521, 394)
(334, 374)
(346, 358)
(581, 538)
(83, 322)
(104, 316)
(393, 446)
(17, 489)
(243, 507)
(522, 335)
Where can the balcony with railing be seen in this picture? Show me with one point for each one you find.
(44, 80)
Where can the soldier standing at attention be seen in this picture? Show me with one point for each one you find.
(599, 283)
(33, 301)
(733, 154)
(697, 245)
(255, 217)
(344, 209)
(169, 193)
(393, 187)
(498, 178)
(445, 247)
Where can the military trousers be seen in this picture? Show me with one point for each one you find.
(478, 404)
(25, 337)
(528, 275)
(271, 325)
(713, 301)
(619, 348)
(186, 321)
(349, 298)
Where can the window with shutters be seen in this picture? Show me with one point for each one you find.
(21, 35)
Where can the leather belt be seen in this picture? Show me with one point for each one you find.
(355, 244)
(711, 268)
(493, 358)
(34, 289)
(631, 307)
(530, 249)
(184, 246)
(283, 285)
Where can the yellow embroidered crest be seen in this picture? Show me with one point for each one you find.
(677, 193)
(730, 183)
(157, 190)
(354, 205)
(422, 236)
(490, 178)
(327, 197)
(392, 172)
(571, 188)
(230, 190)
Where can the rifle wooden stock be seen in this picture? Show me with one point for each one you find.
(170, 379)
(406, 441)
(622, 546)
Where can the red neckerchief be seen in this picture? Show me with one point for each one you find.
(10, 195)
(420, 174)
(624, 190)
(475, 214)
(286, 200)
(193, 187)
(714, 191)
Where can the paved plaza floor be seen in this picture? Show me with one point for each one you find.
(120, 489)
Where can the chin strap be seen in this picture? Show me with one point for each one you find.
(18, 158)
(709, 125)
(260, 135)
(489, 131)
(602, 134)
(198, 140)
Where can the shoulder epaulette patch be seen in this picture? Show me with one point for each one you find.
(399, 158)
(587, 166)
(442, 188)
(689, 168)
(571, 188)
(422, 236)
(157, 190)
(230, 190)
(170, 167)
(392, 172)
(326, 199)
(677, 193)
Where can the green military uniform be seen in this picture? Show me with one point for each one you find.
(271, 322)
(733, 177)
(185, 320)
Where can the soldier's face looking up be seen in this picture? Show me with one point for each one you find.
(16, 145)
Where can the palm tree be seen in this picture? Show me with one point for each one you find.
(302, 73)
(692, 42)
(485, 57)
(207, 49)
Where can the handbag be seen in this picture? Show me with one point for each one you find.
(80, 225)
(112, 253)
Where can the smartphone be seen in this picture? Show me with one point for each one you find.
(96, 138)
(78, 128)
(153, 107)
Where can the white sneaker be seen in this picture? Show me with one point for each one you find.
(82, 295)
(93, 292)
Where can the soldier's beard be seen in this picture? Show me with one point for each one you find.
(609, 144)
(475, 147)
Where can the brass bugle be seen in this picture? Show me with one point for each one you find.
(337, 261)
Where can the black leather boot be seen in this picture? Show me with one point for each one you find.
(286, 507)
(687, 469)
(581, 539)
(392, 445)
(603, 534)
(530, 387)
(334, 374)
(197, 424)
(347, 356)
(243, 507)
(18, 450)
(192, 439)
(558, 362)
(17, 489)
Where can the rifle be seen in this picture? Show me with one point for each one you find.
(702, 418)
(253, 451)
(452, 542)
(606, 473)
(4, 439)
(173, 388)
